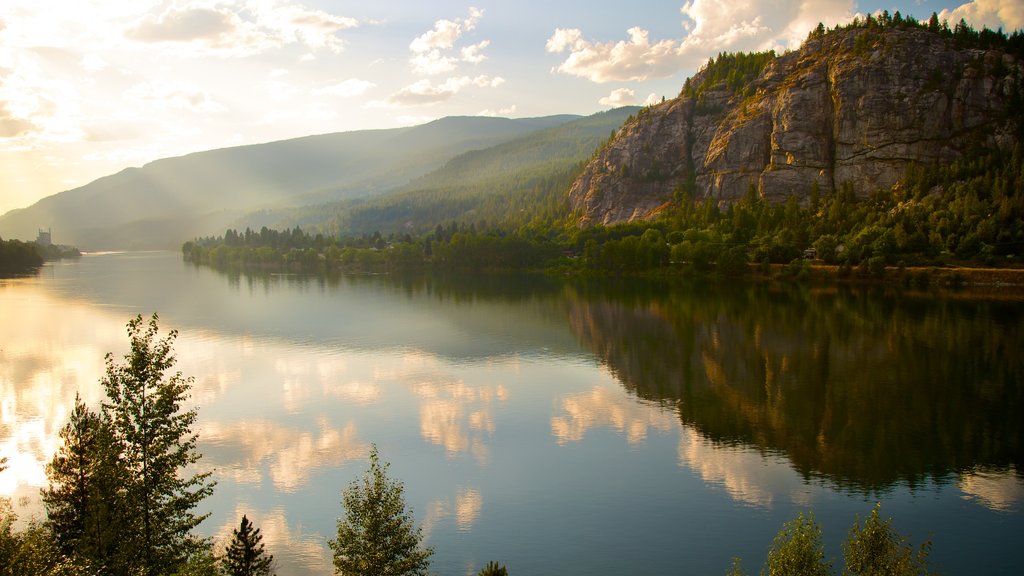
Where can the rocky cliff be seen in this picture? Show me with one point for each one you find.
(850, 107)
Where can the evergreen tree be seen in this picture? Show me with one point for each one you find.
(85, 492)
(245, 556)
(154, 436)
(377, 535)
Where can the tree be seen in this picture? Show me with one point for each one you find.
(85, 493)
(245, 556)
(797, 550)
(153, 435)
(493, 569)
(875, 549)
(377, 535)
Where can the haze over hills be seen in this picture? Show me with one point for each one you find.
(527, 175)
(171, 200)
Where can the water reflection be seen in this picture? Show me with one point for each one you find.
(242, 450)
(865, 390)
(295, 550)
(999, 490)
(601, 407)
(573, 420)
(466, 510)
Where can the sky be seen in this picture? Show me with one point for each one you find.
(90, 87)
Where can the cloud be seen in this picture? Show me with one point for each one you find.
(710, 26)
(242, 28)
(431, 51)
(618, 97)
(1005, 14)
(653, 99)
(186, 25)
(347, 88)
(12, 126)
(426, 93)
(174, 96)
(94, 63)
(636, 59)
(472, 53)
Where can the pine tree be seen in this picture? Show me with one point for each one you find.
(84, 496)
(245, 556)
(155, 440)
(377, 535)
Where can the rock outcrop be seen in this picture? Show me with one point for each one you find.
(853, 107)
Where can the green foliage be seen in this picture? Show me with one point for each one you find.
(377, 535)
(85, 499)
(493, 569)
(118, 498)
(875, 549)
(797, 550)
(17, 257)
(735, 72)
(733, 262)
(31, 551)
(245, 555)
(871, 549)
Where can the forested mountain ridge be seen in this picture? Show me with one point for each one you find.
(509, 184)
(856, 107)
(170, 200)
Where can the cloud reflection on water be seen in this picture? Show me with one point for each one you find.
(1000, 491)
(601, 407)
(295, 550)
(240, 450)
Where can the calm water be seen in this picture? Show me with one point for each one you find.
(559, 428)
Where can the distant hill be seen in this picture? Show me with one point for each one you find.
(527, 175)
(174, 199)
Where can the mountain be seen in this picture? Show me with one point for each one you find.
(171, 200)
(853, 107)
(495, 183)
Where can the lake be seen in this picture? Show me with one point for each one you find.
(556, 426)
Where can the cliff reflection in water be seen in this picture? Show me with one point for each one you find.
(865, 390)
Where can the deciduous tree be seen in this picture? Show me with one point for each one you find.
(153, 434)
(377, 535)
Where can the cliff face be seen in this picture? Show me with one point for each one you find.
(854, 106)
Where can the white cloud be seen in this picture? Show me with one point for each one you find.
(240, 28)
(426, 93)
(185, 25)
(1007, 14)
(432, 63)
(711, 26)
(11, 125)
(472, 53)
(635, 59)
(347, 88)
(618, 97)
(432, 50)
(652, 99)
(175, 96)
(94, 63)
